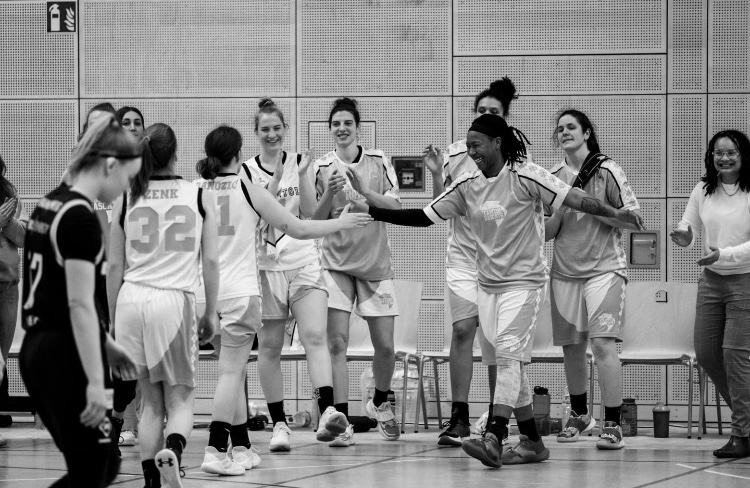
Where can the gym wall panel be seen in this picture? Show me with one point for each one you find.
(728, 112)
(563, 75)
(419, 254)
(33, 62)
(686, 142)
(681, 261)
(728, 45)
(187, 48)
(490, 27)
(631, 130)
(36, 138)
(688, 43)
(193, 119)
(373, 47)
(431, 322)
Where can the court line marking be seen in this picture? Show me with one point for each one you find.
(687, 473)
(716, 472)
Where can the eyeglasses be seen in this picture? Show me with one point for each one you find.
(731, 154)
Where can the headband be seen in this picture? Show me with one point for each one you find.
(489, 125)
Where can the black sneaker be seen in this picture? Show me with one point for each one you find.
(457, 429)
(486, 449)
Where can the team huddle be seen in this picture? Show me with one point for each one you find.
(234, 253)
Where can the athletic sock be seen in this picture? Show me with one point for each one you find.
(276, 409)
(460, 411)
(238, 434)
(176, 442)
(499, 427)
(579, 404)
(218, 435)
(324, 394)
(117, 428)
(612, 414)
(528, 428)
(380, 397)
(151, 474)
(343, 408)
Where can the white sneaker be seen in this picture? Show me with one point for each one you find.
(387, 424)
(280, 438)
(127, 438)
(247, 458)
(169, 468)
(216, 462)
(331, 425)
(3, 441)
(344, 440)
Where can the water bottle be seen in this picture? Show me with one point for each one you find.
(541, 407)
(300, 419)
(565, 407)
(629, 417)
(661, 420)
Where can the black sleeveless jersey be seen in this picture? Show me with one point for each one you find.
(62, 226)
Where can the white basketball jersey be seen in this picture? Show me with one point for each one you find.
(238, 223)
(280, 252)
(163, 235)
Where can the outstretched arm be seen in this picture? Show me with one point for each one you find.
(580, 200)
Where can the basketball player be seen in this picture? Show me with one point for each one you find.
(461, 271)
(357, 263)
(504, 202)
(291, 278)
(162, 231)
(63, 359)
(240, 209)
(588, 277)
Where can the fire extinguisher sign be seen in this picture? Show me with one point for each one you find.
(61, 17)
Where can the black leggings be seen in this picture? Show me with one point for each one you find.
(55, 380)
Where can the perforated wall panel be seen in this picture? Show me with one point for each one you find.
(487, 27)
(383, 47)
(687, 45)
(187, 48)
(555, 75)
(15, 382)
(645, 383)
(728, 46)
(728, 112)
(33, 62)
(193, 119)
(686, 142)
(682, 261)
(431, 320)
(37, 144)
(619, 121)
(403, 127)
(419, 253)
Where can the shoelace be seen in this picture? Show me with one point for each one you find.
(450, 423)
(611, 437)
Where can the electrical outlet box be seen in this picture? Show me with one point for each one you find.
(643, 249)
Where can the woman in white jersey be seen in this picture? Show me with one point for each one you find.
(588, 277)
(504, 202)
(291, 278)
(461, 269)
(162, 231)
(718, 207)
(240, 208)
(357, 263)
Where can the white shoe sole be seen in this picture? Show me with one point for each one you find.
(169, 468)
(280, 448)
(215, 467)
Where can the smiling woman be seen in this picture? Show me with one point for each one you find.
(718, 207)
(504, 203)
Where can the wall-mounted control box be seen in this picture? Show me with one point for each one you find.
(643, 249)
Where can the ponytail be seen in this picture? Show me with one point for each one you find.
(222, 145)
(159, 145)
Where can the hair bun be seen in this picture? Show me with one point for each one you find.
(346, 101)
(505, 87)
(266, 102)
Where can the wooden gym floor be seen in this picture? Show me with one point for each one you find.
(31, 460)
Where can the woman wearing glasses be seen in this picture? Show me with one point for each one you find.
(719, 207)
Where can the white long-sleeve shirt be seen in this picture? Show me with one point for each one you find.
(724, 221)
